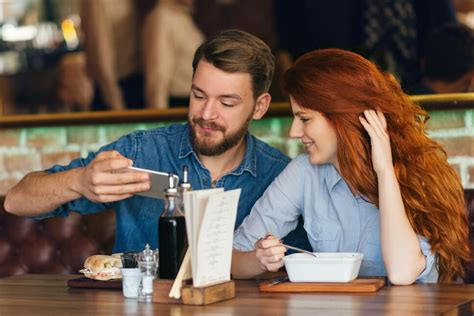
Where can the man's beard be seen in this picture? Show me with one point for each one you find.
(204, 148)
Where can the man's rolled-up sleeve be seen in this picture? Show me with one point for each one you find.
(83, 205)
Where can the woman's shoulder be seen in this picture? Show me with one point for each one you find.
(312, 172)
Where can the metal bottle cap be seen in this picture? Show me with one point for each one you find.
(171, 190)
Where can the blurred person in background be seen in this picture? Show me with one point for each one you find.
(112, 45)
(170, 38)
(448, 61)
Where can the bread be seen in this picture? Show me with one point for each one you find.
(101, 267)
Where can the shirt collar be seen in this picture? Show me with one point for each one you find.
(332, 176)
(185, 148)
(249, 163)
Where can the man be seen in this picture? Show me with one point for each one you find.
(448, 62)
(232, 72)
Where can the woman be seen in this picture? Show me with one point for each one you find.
(371, 180)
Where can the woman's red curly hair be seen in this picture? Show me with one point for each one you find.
(341, 85)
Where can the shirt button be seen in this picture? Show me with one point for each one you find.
(206, 182)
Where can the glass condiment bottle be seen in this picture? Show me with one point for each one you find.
(171, 233)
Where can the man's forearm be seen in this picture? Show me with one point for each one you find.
(40, 192)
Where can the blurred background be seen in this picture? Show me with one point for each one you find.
(90, 55)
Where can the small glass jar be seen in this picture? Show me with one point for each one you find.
(148, 261)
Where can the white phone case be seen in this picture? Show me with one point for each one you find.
(159, 183)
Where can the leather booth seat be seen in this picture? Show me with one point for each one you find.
(57, 245)
(61, 245)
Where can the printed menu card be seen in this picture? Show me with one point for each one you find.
(210, 220)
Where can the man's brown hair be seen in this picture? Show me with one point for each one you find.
(238, 51)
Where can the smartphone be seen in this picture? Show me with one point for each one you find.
(159, 182)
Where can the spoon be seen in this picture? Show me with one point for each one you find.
(290, 247)
(298, 249)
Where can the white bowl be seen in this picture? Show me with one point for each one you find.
(327, 267)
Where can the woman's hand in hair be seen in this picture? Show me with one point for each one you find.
(376, 125)
(270, 253)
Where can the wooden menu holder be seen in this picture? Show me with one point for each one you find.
(191, 295)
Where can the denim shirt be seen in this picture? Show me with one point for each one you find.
(168, 150)
(335, 219)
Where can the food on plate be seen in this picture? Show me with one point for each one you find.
(102, 267)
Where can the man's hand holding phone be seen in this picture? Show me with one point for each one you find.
(108, 179)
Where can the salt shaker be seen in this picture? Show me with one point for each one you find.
(148, 264)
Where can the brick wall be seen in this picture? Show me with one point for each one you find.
(455, 131)
(25, 149)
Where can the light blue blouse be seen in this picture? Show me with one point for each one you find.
(335, 219)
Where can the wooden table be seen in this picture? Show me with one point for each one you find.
(49, 295)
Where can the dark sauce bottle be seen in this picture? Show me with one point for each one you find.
(171, 234)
